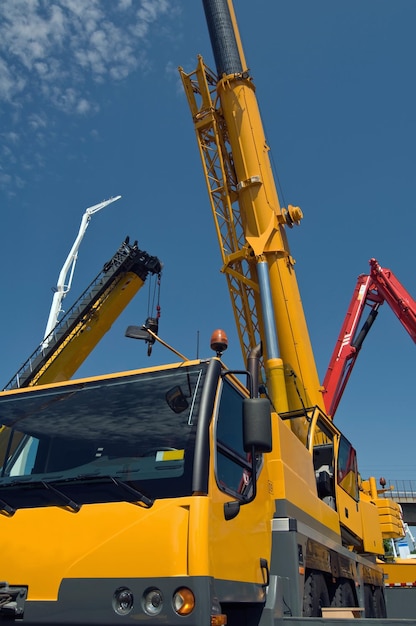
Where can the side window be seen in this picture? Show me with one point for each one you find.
(233, 465)
(24, 458)
(347, 472)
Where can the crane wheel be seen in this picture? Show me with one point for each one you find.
(315, 594)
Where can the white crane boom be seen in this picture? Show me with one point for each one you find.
(63, 286)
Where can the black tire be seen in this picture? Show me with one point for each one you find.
(343, 594)
(379, 603)
(368, 601)
(315, 594)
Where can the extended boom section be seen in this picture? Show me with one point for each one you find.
(91, 316)
(249, 220)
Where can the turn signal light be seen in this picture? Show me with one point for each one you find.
(183, 601)
(218, 620)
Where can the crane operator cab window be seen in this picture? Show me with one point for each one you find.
(124, 438)
(347, 471)
(233, 467)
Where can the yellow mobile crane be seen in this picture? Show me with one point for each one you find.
(70, 340)
(189, 493)
(257, 262)
(260, 272)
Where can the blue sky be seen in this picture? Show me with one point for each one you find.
(91, 107)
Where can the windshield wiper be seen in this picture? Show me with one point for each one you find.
(148, 502)
(68, 502)
(6, 508)
(141, 498)
(65, 500)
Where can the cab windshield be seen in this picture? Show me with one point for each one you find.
(99, 441)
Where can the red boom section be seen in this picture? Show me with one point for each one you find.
(396, 296)
(381, 285)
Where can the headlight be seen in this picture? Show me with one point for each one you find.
(183, 601)
(152, 601)
(123, 601)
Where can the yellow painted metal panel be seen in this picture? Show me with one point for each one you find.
(400, 571)
(292, 476)
(101, 540)
(371, 533)
(236, 546)
(349, 512)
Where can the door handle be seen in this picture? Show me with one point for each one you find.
(264, 566)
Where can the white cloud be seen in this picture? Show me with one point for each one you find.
(4, 178)
(37, 121)
(11, 137)
(9, 84)
(150, 10)
(53, 48)
(52, 53)
(83, 106)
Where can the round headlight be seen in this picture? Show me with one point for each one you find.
(123, 601)
(152, 601)
(183, 601)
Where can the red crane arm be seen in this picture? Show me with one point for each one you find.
(396, 296)
(371, 290)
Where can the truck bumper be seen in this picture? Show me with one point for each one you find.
(109, 602)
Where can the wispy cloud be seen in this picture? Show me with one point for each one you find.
(51, 52)
(54, 47)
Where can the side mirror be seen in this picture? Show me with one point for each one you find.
(257, 438)
(257, 425)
